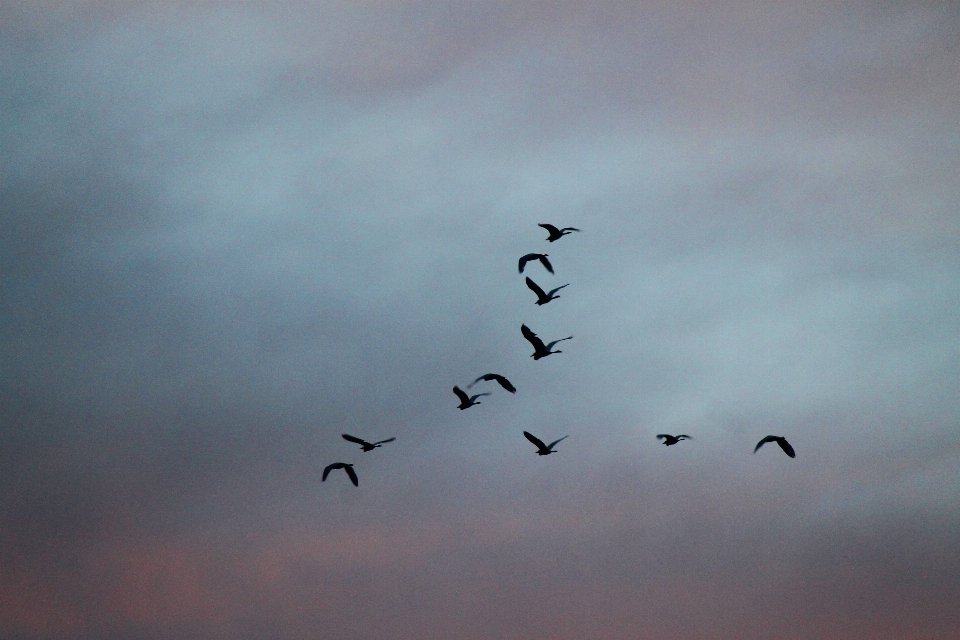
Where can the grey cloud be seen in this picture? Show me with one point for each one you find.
(231, 234)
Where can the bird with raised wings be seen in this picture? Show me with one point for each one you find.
(364, 445)
(467, 401)
(556, 234)
(543, 298)
(346, 466)
(539, 349)
(499, 378)
(780, 440)
(542, 449)
(542, 257)
(671, 440)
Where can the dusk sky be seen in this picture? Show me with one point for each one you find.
(231, 232)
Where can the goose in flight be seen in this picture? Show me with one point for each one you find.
(669, 440)
(556, 234)
(780, 440)
(542, 449)
(346, 467)
(467, 401)
(543, 298)
(539, 350)
(364, 445)
(542, 257)
(495, 376)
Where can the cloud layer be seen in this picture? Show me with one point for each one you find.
(231, 233)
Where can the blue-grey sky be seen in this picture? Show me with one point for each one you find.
(231, 232)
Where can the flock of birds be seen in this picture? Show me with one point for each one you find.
(540, 350)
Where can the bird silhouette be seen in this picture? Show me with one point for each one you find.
(780, 440)
(670, 440)
(543, 298)
(364, 445)
(542, 449)
(346, 466)
(467, 401)
(495, 376)
(542, 257)
(556, 234)
(539, 350)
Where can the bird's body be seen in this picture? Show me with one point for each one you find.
(556, 234)
(542, 257)
(542, 449)
(539, 349)
(780, 440)
(671, 440)
(346, 466)
(467, 401)
(495, 376)
(543, 298)
(364, 445)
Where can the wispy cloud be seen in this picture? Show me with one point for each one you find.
(232, 232)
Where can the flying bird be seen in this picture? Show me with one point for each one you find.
(346, 467)
(542, 257)
(669, 440)
(556, 234)
(542, 449)
(539, 350)
(364, 445)
(467, 401)
(495, 376)
(787, 449)
(543, 298)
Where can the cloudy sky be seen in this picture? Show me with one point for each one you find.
(231, 232)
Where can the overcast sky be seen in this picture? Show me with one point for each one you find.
(231, 232)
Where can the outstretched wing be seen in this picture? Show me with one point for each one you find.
(503, 382)
(661, 436)
(553, 291)
(329, 468)
(549, 227)
(480, 395)
(546, 263)
(686, 437)
(532, 338)
(460, 394)
(554, 443)
(536, 289)
(350, 438)
(787, 449)
(764, 441)
(385, 441)
(570, 229)
(352, 474)
(495, 376)
(535, 440)
(524, 260)
(550, 346)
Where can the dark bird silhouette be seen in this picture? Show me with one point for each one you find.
(556, 234)
(495, 376)
(542, 257)
(543, 298)
(539, 350)
(780, 440)
(364, 445)
(669, 440)
(346, 466)
(467, 401)
(543, 449)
